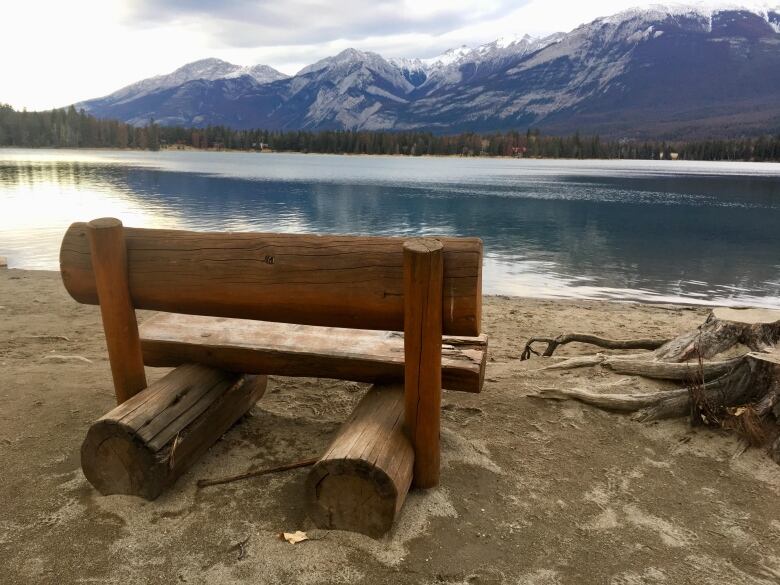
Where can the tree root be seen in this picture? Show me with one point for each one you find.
(740, 393)
(728, 390)
(554, 342)
(577, 362)
(670, 371)
(755, 329)
(734, 388)
(619, 402)
(639, 365)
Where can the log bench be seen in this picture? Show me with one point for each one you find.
(235, 307)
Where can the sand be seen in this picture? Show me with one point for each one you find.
(532, 492)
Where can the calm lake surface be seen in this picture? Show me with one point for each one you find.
(651, 231)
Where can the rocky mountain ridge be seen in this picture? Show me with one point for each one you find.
(662, 72)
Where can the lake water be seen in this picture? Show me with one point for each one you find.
(648, 230)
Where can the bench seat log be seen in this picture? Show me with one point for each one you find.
(258, 347)
(331, 281)
(361, 481)
(143, 445)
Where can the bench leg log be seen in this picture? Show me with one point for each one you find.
(423, 265)
(109, 262)
(362, 480)
(143, 445)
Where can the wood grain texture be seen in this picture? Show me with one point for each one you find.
(361, 481)
(144, 444)
(109, 264)
(334, 281)
(261, 347)
(423, 260)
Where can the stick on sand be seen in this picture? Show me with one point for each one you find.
(249, 474)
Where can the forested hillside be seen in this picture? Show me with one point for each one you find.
(68, 128)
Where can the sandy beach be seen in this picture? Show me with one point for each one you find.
(532, 492)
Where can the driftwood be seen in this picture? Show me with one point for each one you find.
(739, 389)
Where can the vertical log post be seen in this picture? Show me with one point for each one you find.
(109, 264)
(423, 282)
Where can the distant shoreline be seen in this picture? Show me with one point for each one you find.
(352, 154)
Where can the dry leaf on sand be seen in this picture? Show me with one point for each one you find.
(293, 537)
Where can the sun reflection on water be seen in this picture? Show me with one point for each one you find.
(39, 203)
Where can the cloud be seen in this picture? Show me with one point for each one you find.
(252, 23)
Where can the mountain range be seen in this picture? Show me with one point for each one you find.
(663, 72)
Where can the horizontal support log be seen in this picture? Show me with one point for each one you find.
(143, 445)
(261, 347)
(361, 481)
(333, 281)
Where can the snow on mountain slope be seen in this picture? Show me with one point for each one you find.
(772, 16)
(205, 69)
(459, 65)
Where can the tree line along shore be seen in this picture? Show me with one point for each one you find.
(70, 128)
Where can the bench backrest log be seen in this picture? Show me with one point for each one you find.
(335, 281)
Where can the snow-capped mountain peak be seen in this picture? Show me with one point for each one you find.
(260, 73)
(504, 42)
(447, 58)
(347, 57)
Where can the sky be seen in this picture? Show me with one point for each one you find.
(55, 53)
